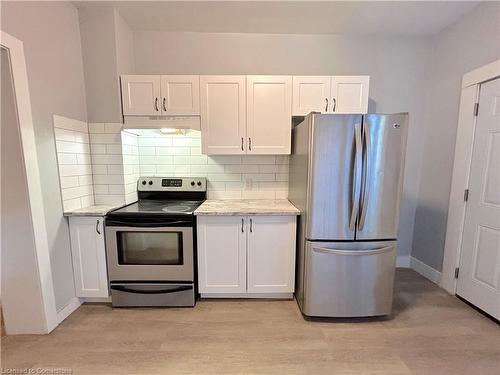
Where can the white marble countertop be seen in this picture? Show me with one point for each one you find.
(96, 210)
(247, 207)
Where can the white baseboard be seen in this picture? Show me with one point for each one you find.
(403, 261)
(425, 270)
(67, 310)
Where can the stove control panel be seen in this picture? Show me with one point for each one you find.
(172, 184)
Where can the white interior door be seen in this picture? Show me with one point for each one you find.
(479, 276)
(310, 93)
(223, 121)
(141, 95)
(180, 95)
(349, 94)
(269, 112)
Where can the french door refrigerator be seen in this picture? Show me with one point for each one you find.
(346, 177)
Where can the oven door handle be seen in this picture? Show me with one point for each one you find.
(122, 288)
(145, 224)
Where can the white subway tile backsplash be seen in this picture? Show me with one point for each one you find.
(99, 169)
(228, 176)
(85, 180)
(74, 170)
(252, 194)
(101, 189)
(105, 138)
(114, 149)
(258, 159)
(97, 149)
(112, 128)
(107, 159)
(103, 179)
(63, 158)
(72, 147)
(96, 127)
(83, 158)
(68, 182)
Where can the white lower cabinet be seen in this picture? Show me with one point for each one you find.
(89, 256)
(252, 256)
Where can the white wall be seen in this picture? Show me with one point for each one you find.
(471, 42)
(395, 66)
(52, 47)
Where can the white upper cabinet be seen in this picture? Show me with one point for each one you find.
(221, 254)
(141, 95)
(269, 112)
(180, 95)
(271, 254)
(223, 122)
(330, 94)
(350, 94)
(311, 94)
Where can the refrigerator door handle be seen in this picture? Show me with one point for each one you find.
(326, 250)
(358, 169)
(368, 177)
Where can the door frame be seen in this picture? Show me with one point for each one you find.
(471, 82)
(41, 245)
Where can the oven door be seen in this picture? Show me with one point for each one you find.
(149, 253)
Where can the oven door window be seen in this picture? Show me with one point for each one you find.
(150, 248)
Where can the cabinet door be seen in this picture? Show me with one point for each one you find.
(89, 256)
(271, 254)
(141, 95)
(269, 114)
(221, 254)
(310, 94)
(350, 94)
(223, 124)
(180, 95)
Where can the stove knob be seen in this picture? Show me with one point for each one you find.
(150, 183)
(144, 182)
(192, 183)
(199, 183)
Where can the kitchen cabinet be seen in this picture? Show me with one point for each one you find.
(221, 254)
(350, 94)
(330, 94)
(269, 112)
(180, 95)
(160, 95)
(141, 95)
(223, 121)
(89, 256)
(311, 94)
(246, 256)
(271, 254)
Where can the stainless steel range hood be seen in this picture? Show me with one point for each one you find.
(158, 122)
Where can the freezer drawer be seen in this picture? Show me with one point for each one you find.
(152, 294)
(350, 279)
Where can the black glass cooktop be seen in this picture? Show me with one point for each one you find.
(159, 207)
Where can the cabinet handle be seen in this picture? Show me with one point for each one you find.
(165, 104)
(242, 140)
(251, 226)
(242, 225)
(326, 107)
(334, 104)
(250, 143)
(97, 227)
(156, 104)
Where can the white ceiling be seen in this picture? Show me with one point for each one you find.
(388, 18)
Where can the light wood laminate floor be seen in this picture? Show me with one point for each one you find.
(430, 332)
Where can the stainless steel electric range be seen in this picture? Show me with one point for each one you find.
(151, 244)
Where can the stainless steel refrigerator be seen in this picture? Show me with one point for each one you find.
(346, 174)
